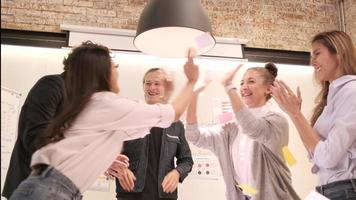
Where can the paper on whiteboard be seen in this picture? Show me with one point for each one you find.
(206, 165)
(222, 111)
(10, 108)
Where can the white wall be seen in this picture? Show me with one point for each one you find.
(21, 67)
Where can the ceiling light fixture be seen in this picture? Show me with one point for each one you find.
(167, 28)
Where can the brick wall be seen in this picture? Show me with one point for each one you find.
(350, 18)
(273, 24)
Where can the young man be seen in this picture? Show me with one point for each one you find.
(152, 173)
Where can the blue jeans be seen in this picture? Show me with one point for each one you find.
(50, 184)
(339, 190)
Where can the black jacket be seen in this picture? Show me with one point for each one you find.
(174, 144)
(43, 102)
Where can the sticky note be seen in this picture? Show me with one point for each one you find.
(288, 157)
(225, 117)
(204, 40)
(246, 189)
(315, 196)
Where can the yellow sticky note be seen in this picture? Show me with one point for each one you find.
(246, 189)
(288, 156)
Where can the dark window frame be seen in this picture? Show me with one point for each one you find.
(34, 38)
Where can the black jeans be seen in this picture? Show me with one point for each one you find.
(339, 190)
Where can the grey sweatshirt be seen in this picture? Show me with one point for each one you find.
(272, 177)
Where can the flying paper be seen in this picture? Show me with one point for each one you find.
(204, 40)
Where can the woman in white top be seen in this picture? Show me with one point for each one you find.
(85, 138)
(331, 137)
(249, 150)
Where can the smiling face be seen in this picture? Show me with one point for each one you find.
(253, 89)
(325, 63)
(114, 78)
(153, 87)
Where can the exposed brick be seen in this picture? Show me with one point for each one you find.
(70, 2)
(8, 19)
(282, 24)
(101, 12)
(350, 16)
(85, 3)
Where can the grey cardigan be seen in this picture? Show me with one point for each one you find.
(270, 133)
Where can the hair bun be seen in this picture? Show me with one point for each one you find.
(271, 67)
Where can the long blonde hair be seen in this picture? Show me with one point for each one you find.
(339, 43)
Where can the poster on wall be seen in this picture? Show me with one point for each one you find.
(10, 109)
(222, 111)
(206, 166)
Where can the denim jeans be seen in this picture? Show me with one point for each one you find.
(339, 190)
(49, 185)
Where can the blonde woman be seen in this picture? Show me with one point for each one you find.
(250, 149)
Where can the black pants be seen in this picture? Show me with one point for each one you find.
(339, 190)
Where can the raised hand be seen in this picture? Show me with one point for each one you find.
(191, 70)
(201, 86)
(170, 181)
(227, 80)
(235, 99)
(169, 85)
(286, 99)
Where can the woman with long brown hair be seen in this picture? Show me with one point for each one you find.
(330, 138)
(85, 138)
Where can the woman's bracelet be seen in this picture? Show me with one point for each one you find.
(230, 87)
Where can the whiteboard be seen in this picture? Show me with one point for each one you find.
(10, 107)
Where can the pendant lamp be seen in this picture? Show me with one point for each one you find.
(167, 28)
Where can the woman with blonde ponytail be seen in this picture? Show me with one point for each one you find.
(330, 139)
(249, 149)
